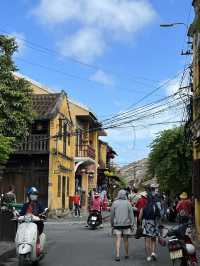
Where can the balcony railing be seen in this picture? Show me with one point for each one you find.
(85, 151)
(37, 143)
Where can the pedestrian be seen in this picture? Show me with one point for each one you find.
(122, 221)
(184, 208)
(105, 202)
(77, 204)
(140, 204)
(10, 196)
(134, 196)
(149, 215)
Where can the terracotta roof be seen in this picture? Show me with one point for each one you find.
(46, 105)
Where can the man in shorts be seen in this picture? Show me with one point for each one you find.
(122, 221)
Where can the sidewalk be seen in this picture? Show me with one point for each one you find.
(7, 250)
(84, 215)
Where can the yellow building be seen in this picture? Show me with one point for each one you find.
(194, 32)
(65, 138)
(86, 153)
(45, 159)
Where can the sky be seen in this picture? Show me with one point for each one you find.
(106, 54)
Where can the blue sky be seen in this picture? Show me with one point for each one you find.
(127, 52)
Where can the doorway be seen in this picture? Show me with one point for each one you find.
(63, 191)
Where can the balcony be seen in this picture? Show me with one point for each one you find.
(85, 151)
(34, 144)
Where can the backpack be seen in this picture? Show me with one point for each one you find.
(151, 210)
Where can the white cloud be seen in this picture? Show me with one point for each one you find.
(173, 86)
(123, 15)
(20, 39)
(85, 44)
(103, 78)
(97, 20)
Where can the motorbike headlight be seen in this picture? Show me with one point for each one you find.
(190, 248)
(28, 218)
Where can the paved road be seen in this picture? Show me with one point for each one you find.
(73, 244)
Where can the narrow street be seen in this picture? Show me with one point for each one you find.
(72, 244)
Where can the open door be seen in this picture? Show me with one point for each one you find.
(63, 191)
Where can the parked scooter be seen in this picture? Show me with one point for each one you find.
(94, 219)
(29, 244)
(180, 245)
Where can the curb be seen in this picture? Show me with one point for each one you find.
(6, 255)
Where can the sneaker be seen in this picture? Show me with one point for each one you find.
(154, 256)
(126, 257)
(149, 259)
(117, 258)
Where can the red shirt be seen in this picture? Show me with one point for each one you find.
(186, 206)
(96, 204)
(30, 209)
(140, 204)
(77, 199)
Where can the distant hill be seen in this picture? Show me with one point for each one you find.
(135, 172)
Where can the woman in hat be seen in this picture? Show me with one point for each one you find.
(184, 208)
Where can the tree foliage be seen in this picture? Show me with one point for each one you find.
(15, 98)
(5, 148)
(170, 160)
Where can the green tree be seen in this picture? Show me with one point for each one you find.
(170, 160)
(15, 100)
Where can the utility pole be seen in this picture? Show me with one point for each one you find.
(194, 32)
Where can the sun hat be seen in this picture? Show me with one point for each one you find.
(183, 195)
(143, 194)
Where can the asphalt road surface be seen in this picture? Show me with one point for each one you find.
(74, 245)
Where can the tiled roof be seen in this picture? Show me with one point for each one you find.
(44, 105)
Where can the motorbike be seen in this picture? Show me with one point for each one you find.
(30, 246)
(181, 248)
(94, 219)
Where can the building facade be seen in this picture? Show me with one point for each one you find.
(194, 32)
(62, 154)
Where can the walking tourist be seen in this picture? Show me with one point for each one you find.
(122, 221)
(77, 204)
(184, 208)
(134, 196)
(140, 204)
(10, 196)
(149, 215)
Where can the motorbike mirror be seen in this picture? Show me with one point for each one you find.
(46, 210)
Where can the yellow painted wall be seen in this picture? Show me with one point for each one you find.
(92, 136)
(56, 159)
(196, 114)
(56, 144)
(38, 90)
(103, 152)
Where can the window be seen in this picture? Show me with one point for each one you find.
(59, 186)
(69, 138)
(68, 186)
(60, 128)
(65, 139)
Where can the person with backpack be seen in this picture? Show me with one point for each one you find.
(150, 215)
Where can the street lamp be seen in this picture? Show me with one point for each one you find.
(169, 25)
